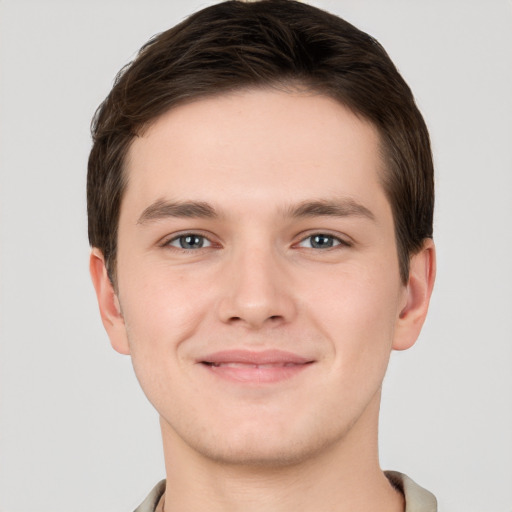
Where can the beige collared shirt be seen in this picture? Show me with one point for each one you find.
(417, 499)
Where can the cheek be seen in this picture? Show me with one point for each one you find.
(357, 312)
(162, 308)
(161, 312)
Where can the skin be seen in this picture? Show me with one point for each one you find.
(259, 167)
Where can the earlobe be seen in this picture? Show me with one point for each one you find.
(422, 271)
(108, 302)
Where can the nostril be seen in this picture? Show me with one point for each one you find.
(273, 319)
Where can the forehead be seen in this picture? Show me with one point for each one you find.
(266, 144)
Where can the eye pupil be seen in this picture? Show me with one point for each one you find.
(191, 242)
(322, 241)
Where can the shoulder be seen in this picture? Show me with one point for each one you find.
(417, 499)
(151, 501)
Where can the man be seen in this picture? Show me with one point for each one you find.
(260, 200)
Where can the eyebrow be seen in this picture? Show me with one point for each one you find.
(188, 209)
(344, 207)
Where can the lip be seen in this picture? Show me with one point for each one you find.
(263, 367)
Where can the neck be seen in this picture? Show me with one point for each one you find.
(344, 476)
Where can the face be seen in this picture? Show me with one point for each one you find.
(259, 292)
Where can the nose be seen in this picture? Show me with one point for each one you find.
(257, 291)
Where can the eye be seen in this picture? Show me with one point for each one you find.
(190, 241)
(321, 241)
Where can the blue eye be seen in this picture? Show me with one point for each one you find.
(321, 241)
(190, 241)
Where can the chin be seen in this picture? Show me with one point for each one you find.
(259, 446)
(264, 455)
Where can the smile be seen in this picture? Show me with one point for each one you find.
(249, 365)
(265, 367)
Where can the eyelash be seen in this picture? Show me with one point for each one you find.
(183, 236)
(335, 241)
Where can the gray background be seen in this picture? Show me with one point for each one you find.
(76, 433)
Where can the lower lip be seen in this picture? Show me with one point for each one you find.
(251, 374)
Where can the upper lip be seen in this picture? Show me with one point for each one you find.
(250, 357)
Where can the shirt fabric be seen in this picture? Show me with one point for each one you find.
(417, 499)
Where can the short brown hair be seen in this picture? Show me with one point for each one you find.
(237, 44)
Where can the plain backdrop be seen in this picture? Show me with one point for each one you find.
(76, 433)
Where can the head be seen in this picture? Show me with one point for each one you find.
(271, 43)
(260, 208)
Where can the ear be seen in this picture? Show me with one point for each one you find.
(422, 273)
(108, 303)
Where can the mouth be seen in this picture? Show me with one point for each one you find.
(266, 367)
(249, 365)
